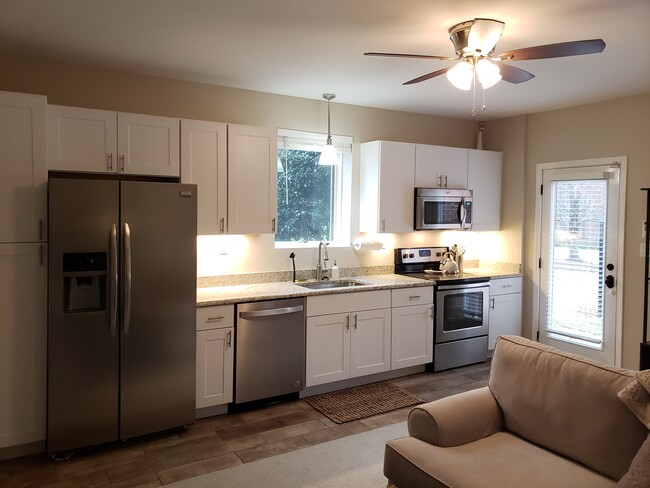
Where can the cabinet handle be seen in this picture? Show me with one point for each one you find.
(40, 229)
(218, 317)
(356, 321)
(492, 303)
(109, 158)
(122, 163)
(506, 286)
(222, 225)
(383, 225)
(347, 322)
(440, 181)
(445, 181)
(414, 297)
(432, 311)
(229, 339)
(273, 225)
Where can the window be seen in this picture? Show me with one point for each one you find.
(313, 200)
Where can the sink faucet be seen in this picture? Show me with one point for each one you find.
(322, 257)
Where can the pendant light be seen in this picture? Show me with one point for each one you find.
(328, 157)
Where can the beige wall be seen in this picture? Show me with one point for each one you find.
(613, 128)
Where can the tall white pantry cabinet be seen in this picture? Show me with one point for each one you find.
(23, 269)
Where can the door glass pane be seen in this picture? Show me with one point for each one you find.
(576, 261)
(463, 310)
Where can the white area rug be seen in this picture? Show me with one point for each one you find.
(354, 461)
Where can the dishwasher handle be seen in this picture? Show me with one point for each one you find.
(270, 312)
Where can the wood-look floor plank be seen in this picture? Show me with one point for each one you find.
(198, 468)
(272, 449)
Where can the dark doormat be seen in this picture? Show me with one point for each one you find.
(362, 401)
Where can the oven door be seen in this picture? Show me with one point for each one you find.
(436, 213)
(461, 311)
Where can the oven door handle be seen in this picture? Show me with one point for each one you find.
(463, 286)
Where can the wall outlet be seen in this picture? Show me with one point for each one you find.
(642, 249)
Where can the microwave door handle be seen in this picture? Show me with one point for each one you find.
(462, 213)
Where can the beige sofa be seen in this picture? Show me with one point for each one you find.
(547, 419)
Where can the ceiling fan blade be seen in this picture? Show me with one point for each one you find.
(418, 56)
(484, 35)
(428, 76)
(559, 50)
(514, 75)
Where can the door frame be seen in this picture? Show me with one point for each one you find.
(537, 275)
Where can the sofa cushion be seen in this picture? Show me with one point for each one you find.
(566, 403)
(499, 460)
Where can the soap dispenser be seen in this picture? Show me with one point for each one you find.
(335, 271)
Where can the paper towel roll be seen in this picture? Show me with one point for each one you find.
(366, 245)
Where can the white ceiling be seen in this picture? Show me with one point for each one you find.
(304, 48)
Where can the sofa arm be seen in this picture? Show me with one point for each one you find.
(457, 419)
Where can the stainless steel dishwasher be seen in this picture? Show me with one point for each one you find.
(269, 349)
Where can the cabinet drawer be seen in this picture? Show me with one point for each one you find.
(216, 317)
(501, 286)
(347, 302)
(421, 295)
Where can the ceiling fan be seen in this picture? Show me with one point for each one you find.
(475, 41)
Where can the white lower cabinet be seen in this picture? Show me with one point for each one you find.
(349, 342)
(505, 308)
(215, 337)
(23, 343)
(412, 327)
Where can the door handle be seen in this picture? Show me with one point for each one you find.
(127, 279)
(229, 339)
(347, 322)
(356, 321)
(113, 281)
(270, 312)
(462, 213)
(609, 281)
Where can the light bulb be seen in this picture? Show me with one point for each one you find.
(328, 157)
(488, 73)
(461, 75)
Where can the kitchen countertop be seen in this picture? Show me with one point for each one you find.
(223, 295)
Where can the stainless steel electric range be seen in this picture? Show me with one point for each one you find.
(460, 302)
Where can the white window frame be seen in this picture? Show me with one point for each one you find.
(341, 184)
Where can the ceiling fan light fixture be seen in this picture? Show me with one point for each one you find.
(328, 156)
(488, 73)
(461, 76)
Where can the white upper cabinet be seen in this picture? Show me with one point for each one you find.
(23, 173)
(205, 163)
(252, 179)
(440, 167)
(484, 179)
(387, 186)
(101, 141)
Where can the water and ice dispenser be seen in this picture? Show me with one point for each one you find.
(84, 281)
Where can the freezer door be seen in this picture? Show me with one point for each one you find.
(82, 398)
(158, 311)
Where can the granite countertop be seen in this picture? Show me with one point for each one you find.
(223, 295)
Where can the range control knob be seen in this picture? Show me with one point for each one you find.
(411, 255)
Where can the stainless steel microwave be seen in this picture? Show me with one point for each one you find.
(443, 208)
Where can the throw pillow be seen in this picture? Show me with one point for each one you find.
(638, 476)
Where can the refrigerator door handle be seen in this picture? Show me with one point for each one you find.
(113, 277)
(127, 279)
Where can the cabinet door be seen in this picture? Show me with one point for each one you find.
(440, 166)
(370, 344)
(23, 343)
(412, 336)
(81, 139)
(328, 348)
(148, 145)
(386, 191)
(204, 163)
(23, 175)
(505, 317)
(214, 367)
(484, 179)
(252, 179)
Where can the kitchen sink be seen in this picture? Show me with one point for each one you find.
(326, 285)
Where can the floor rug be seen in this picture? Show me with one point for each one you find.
(355, 461)
(362, 401)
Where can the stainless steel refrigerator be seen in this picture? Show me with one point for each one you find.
(121, 311)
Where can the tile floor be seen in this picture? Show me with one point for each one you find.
(219, 442)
